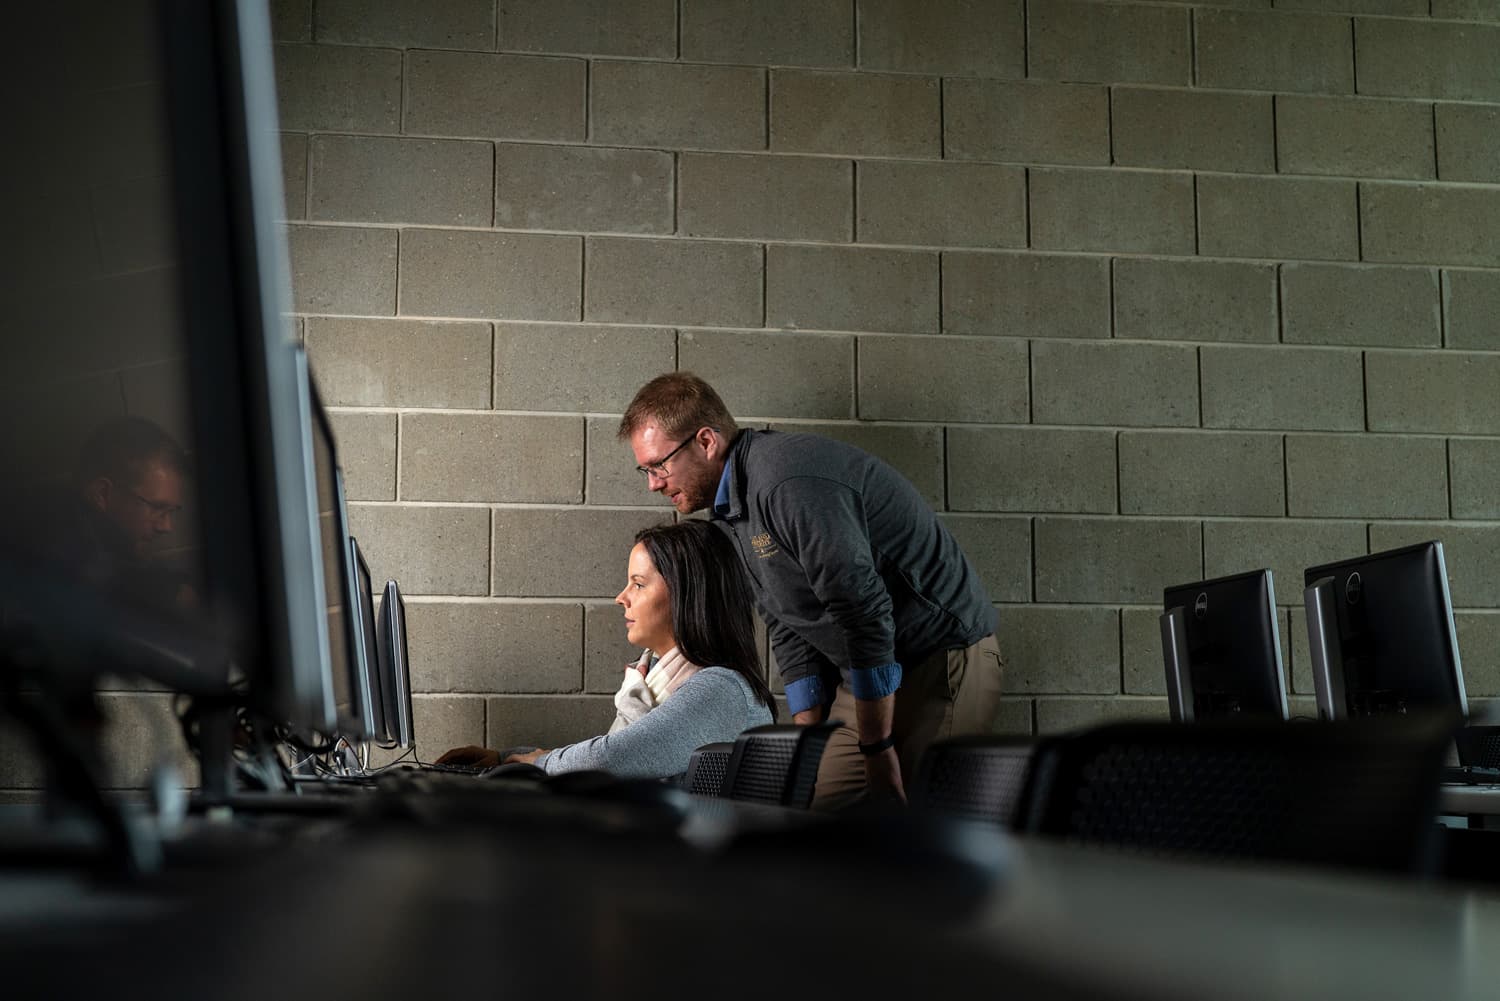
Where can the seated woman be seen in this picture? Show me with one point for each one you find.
(687, 603)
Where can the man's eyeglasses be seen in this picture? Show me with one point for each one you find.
(160, 511)
(658, 468)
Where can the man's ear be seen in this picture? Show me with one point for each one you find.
(96, 492)
(713, 443)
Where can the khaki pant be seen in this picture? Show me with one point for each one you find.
(948, 693)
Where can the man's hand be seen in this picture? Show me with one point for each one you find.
(808, 717)
(529, 758)
(883, 775)
(472, 754)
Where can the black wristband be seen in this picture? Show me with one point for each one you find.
(888, 741)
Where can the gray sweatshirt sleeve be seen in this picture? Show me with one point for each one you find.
(713, 705)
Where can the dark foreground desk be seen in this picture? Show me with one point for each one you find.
(533, 901)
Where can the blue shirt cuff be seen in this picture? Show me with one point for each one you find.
(804, 694)
(870, 683)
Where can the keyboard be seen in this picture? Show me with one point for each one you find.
(1473, 775)
(457, 769)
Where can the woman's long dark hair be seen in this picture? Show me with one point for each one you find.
(710, 600)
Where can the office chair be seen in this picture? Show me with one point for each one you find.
(777, 763)
(1478, 745)
(706, 769)
(980, 778)
(1361, 793)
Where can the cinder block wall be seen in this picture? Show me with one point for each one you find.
(1135, 293)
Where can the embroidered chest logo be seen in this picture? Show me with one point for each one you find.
(765, 547)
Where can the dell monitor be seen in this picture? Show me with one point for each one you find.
(1382, 634)
(1221, 648)
(396, 665)
(372, 681)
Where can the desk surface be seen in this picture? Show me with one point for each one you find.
(1467, 799)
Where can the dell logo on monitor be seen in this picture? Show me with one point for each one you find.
(1353, 589)
(1200, 606)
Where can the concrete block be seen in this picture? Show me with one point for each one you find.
(1465, 10)
(291, 20)
(1112, 210)
(546, 721)
(1032, 469)
(999, 550)
(1354, 135)
(1192, 129)
(1449, 392)
(769, 32)
(1467, 137)
(1136, 385)
(506, 276)
(611, 475)
(324, 88)
(369, 179)
(916, 452)
(1063, 715)
(1286, 546)
(673, 281)
(367, 452)
(494, 646)
(436, 24)
(943, 37)
(294, 174)
(1430, 59)
(374, 363)
(1471, 553)
(1013, 719)
(486, 96)
(1142, 671)
(337, 269)
(429, 549)
(605, 649)
(1261, 50)
(1471, 310)
(851, 288)
(1337, 304)
(941, 204)
(968, 379)
(491, 458)
(1299, 671)
(1026, 295)
(1114, 560)
(589, 564)
(581, 188)
(1474, 475)
(1277, 217)
(645, 28)
(1429, 224)
(140, 732)
(1366, 476)
(1479, 650)
(760, 374)
(1190, 300)
(1198, 473)
(765, 197)
(1395, 8)
(678, 105)
(1060, 650)
(855, 114)
(1025, 122)
(439, 722)
(1109, 43)
(577, 368)
(1276, 388)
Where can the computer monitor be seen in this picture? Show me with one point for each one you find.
(396, 665)
(1382, 636)
(371, 672)
(1221, 648)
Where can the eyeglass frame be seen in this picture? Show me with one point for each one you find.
(650, 469)
(160, 510)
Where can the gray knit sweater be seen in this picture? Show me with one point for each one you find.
(714, 705)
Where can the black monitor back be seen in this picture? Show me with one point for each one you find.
(1391, 634)
(1230, 661)
(395, 665)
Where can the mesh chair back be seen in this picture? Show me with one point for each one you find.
(777, 763)
(1360, 793)
(1479, 745)
(980, 778)
(706, 769)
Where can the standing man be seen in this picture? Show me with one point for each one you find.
(876, 618)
